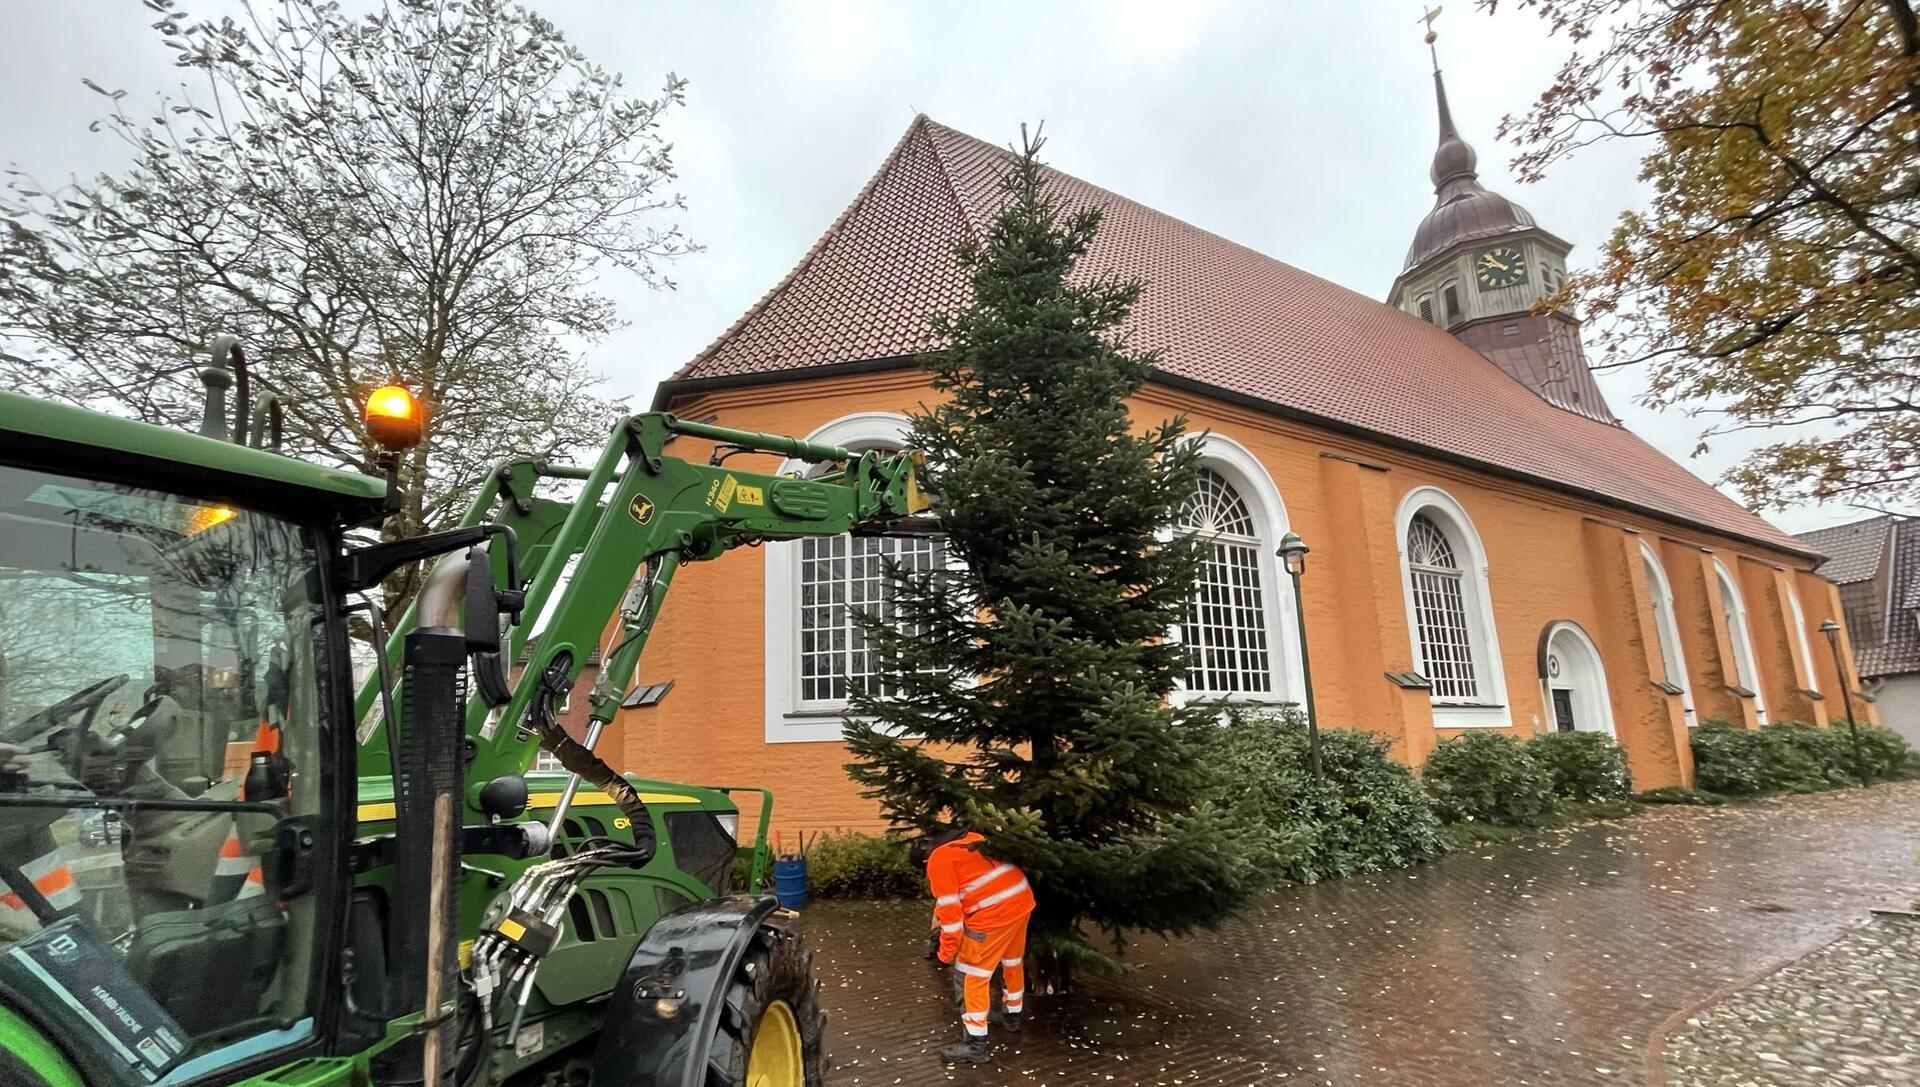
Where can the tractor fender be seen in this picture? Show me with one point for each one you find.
(681, 967)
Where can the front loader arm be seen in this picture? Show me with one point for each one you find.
(638, 516)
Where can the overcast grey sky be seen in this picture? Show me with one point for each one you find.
(1301, 129)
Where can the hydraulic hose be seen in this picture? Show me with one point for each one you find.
(577, 759)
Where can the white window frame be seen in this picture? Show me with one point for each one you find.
(1746, 663)
(1244, 472)
(1495, 709)
(788, 719)
(1809, 675)
(1673, 655)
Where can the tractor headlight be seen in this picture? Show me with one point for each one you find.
(729, 822)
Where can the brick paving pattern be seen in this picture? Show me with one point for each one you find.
(1847, 1015)
(1550, 961)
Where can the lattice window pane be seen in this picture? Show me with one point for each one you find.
(1428, 546)
(842, 577)
(1216, 509)
(1663, 623)
(1226, 629)
(1732, 614)
(1440, 613)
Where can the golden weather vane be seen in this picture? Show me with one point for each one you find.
(1428, 17)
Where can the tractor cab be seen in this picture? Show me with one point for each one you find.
(174, 744)
(218, 863)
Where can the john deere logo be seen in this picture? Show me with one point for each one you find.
(641, 508)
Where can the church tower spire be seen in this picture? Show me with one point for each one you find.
(1478, 267)
(1454, 163)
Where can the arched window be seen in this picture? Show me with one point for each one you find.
(1672, 656)
(842, 579)
(816, 588)
(1440, 609)
(1452, 295)
(1449, 611)
(1809, 675)
(1426, 308)
(1733, 610)
(1226, 628)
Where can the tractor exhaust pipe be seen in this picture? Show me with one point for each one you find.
(427, 783)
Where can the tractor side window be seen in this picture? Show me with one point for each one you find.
(159, 711)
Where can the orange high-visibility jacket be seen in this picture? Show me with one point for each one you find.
(970, 889)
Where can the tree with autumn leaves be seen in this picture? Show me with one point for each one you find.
(1772, 277)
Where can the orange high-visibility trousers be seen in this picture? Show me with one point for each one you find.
(981, 952)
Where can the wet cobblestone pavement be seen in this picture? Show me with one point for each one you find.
(1555, 960)
(1847, 1014)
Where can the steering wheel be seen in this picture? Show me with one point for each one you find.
(86, 700)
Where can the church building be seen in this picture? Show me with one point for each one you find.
(1491, 548)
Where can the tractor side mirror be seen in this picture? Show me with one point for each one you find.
(482, 619)
(482, 623)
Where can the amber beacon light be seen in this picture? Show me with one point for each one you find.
(394, 418)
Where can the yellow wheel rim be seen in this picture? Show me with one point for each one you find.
(776, 1060)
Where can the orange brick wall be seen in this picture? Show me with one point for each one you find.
(1551, 557)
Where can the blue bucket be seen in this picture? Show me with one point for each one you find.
(790, 883)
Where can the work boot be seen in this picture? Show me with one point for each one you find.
(970, 1051)
(1009, 1021)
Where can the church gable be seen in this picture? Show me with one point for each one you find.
(864, 290)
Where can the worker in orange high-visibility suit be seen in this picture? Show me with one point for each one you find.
(980, 909)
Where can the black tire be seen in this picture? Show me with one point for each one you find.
(778, 968)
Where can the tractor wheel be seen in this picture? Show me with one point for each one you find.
(772, 1031)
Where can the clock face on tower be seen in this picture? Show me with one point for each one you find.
(1501, 266)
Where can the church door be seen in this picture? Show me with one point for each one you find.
(1575, 681)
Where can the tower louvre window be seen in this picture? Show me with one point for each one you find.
(1453, 302)
(1426, 309)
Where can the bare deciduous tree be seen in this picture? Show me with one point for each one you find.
(422, 195)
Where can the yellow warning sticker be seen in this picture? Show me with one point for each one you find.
(725, 496)
(512, 929)
(749, 495)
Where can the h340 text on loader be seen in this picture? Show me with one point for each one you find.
(221, 864)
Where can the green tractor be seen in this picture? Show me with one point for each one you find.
(220, 863)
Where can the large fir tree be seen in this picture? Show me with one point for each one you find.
(1029, 680)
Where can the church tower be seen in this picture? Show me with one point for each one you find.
(1479, 265)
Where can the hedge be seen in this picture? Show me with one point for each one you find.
(848, 864)
(1793, 757)
(1368, 813)
(1584, 767)
(1488, 777)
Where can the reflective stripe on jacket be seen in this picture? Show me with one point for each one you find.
(51, 876)
(971, 889)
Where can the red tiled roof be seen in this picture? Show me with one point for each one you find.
(1222, 317)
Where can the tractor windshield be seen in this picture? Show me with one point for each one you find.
(158, 756)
